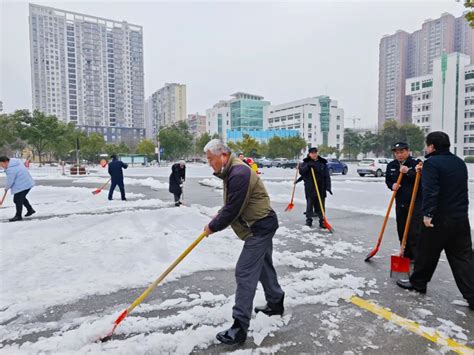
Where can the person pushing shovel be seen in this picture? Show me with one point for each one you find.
(445, 220)
(247, 210)
(319, 165)
(177, 178)
(116, 174)
(19, 182)
(404, 163)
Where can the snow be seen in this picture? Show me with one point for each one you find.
(96, 254)
(53, 201)
(81, 245)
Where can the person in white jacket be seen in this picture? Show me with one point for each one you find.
(19, 182)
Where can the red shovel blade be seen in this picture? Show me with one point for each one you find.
(399, 264)
(116, 323)
(98, 191)
(289, 207)
(328, 226)
(371, 254)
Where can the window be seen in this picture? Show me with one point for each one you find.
(469, 76)
(427, 84)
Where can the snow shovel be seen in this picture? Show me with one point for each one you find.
(291, 204)
(387, 215)
(325, 221)
(140, 299)
(99, 190)
(399, 263)
(3, 198)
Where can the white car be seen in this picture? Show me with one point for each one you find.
(278, 162)
(372, 166)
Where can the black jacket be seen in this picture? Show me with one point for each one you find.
(322, 176)
(115, 169)
(177, 177)
(408, 182)
(445, 181)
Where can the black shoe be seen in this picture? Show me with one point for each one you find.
(29, 213)
(177, 204)
(124, 199)
(16, 218)
(406, 284)
(309, 223)
(234, 335)
(272, 309)
(321, 225)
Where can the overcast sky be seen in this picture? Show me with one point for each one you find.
(281, 50)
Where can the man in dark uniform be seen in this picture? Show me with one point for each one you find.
(445, 219)
(116, 175)
(404, 163)
(177, 177)
(314, 162)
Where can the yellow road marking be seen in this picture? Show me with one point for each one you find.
(412, 326)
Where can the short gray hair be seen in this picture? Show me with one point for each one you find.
(216, 147)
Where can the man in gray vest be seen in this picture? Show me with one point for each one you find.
(247, 210)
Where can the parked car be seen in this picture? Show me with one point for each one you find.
(335, 166)
(263, 163)
(290, 164)
(372, 166)
(278, 162)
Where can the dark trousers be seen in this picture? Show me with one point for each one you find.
(414, 231)
(313, 209)
(121, 187)
(177, 197)
(255, 264)
(20, 200)
(454, 237)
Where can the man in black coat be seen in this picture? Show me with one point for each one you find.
(177, 177)
(404, 163)
(319, 165)
(445, 219)
(116, 175)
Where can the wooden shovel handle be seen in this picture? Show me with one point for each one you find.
(3, 198)
(410, 212)
(294, 183)
(387, 214)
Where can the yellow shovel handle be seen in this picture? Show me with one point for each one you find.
(165, 273)
(317, 192)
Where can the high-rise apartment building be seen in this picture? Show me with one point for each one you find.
(404, 55)
(87, 70)
(168, 106)
(196, 124)
(444, 101)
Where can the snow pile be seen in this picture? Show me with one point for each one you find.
(147, 182)
(92, 255)
(49, 201)
(212, 182)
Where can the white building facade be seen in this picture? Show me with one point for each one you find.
(444, 101)
(319, 120)
(218, 119)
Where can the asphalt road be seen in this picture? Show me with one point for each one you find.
(359, 331)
